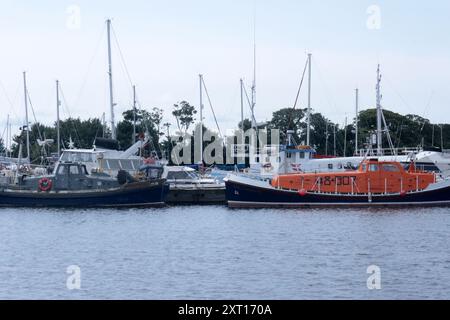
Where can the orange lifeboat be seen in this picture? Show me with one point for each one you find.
(372, 177)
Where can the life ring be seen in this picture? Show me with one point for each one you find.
(45, 184)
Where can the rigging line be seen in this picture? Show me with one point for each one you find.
(66, 107)
(298, 93)
(328, 93)
(426, 108)
(11, 105)
(91, 62)
(121, 56)
(249, 104)
(212, 109)
(34, 116)
(300, 87)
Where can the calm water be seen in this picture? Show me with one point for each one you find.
(218, 253)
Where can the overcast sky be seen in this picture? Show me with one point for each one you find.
(166, 44)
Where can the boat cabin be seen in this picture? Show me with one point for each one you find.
(372, 176)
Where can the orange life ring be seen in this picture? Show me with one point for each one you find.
(45, 184)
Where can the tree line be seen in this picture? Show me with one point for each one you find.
(326, 137)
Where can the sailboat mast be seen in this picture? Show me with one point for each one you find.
(242, 104)
(200, 76)
(7, 136)
(356, 119)
(345, 138)
(111, 98)
(58, 136)
(26, 115)
(308, 113)
(379, 115)
(133, 140)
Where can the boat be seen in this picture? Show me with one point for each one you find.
(71, 185)
(187, 186)
(374, 183)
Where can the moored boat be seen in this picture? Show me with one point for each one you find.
(72, 186)
(374, 183)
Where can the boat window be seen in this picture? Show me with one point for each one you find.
(178, 175)
(373, 167)
(84, 170)
(61, 170)
(302, 155)
(74, 170)
(339, 166)
(390, 168)
(363, 168)
(330, 166)
(288, 155)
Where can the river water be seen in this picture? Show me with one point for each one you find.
(218, 253)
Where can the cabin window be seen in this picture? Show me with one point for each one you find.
(288, 155)
(363, 168)
(373, 167)
(339, 166)
(330, 166)
(61, 170)
(390, 168)
(302, 155)
(74, 170)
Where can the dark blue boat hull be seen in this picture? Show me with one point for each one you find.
(136, 194)
(248, 195)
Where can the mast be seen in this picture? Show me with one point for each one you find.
(7, 136)
(200, 76)
(379, 115)
(58, 103)
(345, 138)
(356, 120)
(133, 140)
(103, 125)
(26, 115)
(254, 124)
(334, 139)
(111, 98)
(308, 113)
(242, 105)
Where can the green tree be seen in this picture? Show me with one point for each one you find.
(184, 114)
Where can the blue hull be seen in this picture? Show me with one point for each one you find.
(251, 196)
(136, 194)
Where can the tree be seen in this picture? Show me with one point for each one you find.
(287, 119)
(184, 115)
(145, 122)
(156, 117)
(2, 146)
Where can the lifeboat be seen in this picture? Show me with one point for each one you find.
(374, 183)
(372, 177)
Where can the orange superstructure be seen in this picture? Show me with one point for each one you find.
(372, 176)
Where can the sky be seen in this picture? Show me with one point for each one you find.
(162, 47)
